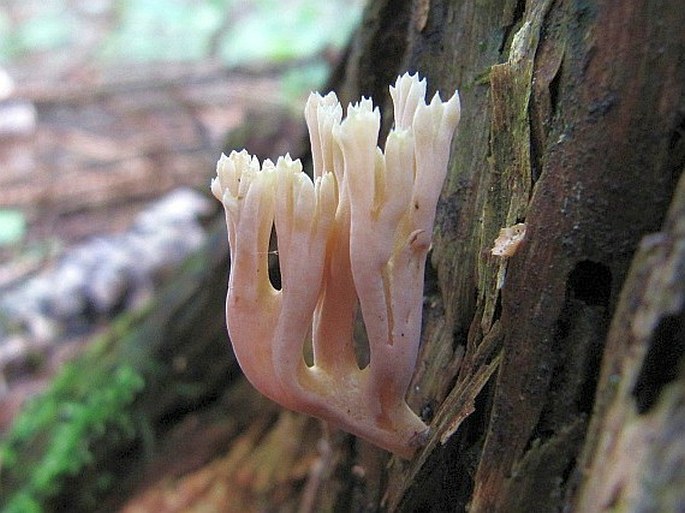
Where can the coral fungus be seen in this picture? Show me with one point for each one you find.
(356, 236)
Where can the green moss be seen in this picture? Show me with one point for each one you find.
(85, 409)
(70, 447)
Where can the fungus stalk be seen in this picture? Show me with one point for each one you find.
(356, 236)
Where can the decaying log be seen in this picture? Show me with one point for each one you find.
(553, 378)
(587, 151)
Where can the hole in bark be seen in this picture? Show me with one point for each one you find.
(430, 277)
(554, 92)
(535, 157)
(572, 365)
(572, 368)
(498, 308)
(542, 111)
(512, 26)
(519, 11)
(590, 282)
(662, 362)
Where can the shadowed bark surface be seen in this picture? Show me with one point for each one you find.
(553, 379)
(572, 123)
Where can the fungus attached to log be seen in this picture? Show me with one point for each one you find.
(355, 236)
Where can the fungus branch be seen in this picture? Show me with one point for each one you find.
(357, 235)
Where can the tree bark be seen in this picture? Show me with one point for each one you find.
(553, 379)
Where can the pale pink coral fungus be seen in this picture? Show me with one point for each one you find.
(355, 236)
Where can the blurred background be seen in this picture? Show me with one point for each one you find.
(113, 114)
(106, 101)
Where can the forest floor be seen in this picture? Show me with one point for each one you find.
(105, 143)
(118, 102)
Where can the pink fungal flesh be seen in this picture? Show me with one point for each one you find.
(354, 237)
